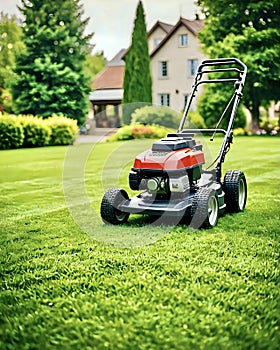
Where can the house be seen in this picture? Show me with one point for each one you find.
(175, 53)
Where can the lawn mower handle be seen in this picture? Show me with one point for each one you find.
(239, 82)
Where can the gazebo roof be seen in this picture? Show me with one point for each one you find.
(106, 96)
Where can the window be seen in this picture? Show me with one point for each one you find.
(164, 99)
(183, 40)
(163, 69)
(192, 67)
(156, 42)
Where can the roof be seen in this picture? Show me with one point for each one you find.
(117, 60)
(106, 95)
(164, 26)
(110, 78)
(193, 26)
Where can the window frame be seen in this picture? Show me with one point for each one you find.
(162, 69)
(182, 42)
(164, 99)
(191, 69)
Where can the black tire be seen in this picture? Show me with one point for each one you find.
(109, 207)
(235, 188)
(205, 209)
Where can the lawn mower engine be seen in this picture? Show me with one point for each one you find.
(170, 168)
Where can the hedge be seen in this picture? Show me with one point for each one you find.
(36, 132)
(63, 130)
(11, 132)
(30, 131)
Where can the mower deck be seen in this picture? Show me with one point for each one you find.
(147, 203)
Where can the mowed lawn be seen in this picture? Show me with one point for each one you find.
(70, 282)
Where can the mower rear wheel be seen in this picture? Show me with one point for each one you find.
(109, 207)
(205, 209)
(235, 188)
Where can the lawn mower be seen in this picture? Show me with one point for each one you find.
(170, 175)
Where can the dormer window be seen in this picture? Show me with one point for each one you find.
(156, 42)
(183, 40)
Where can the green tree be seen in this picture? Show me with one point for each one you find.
(50, 73)
(94, 64)
(137, 78)
(10, 46)
(248, 30)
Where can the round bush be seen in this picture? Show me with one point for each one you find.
(36, 132)
(63, 130)
(163, 116)
(139, 131)
(194, 121)
(11, 132)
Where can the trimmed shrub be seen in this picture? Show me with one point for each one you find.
(63, 130)
(150, 115)
(195, 120)
(139, 131)
(11, 132)
(239, 132)
(36, 132)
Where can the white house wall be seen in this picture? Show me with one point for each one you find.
(177, 84)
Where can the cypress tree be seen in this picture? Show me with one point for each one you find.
(137, 78)
(50, 76)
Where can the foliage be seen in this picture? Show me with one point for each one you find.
(248, 30)
(11, 45)
(60, 288)
(195, 120)
(156, 115)
(30, 131)
(11, 132)
(94, 64)
(139, 131)
(6, 101)
(36, 132)
(212, 104)
(137, 83)
(63, 130)
(239, 132)
(50, 73)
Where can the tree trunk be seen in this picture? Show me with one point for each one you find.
(255, 113)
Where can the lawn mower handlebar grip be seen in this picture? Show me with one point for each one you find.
(223, 61)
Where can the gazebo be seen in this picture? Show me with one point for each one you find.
(107, 93)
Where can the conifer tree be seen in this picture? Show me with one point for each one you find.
(137, 79)
(50, 76)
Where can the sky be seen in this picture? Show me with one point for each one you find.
(112, 21)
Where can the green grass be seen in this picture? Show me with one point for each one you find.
(70, 282)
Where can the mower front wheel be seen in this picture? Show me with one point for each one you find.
(205, 209)
(110, 212)
(235, 188)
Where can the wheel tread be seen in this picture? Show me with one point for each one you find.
(109, 203)
(230, 187)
